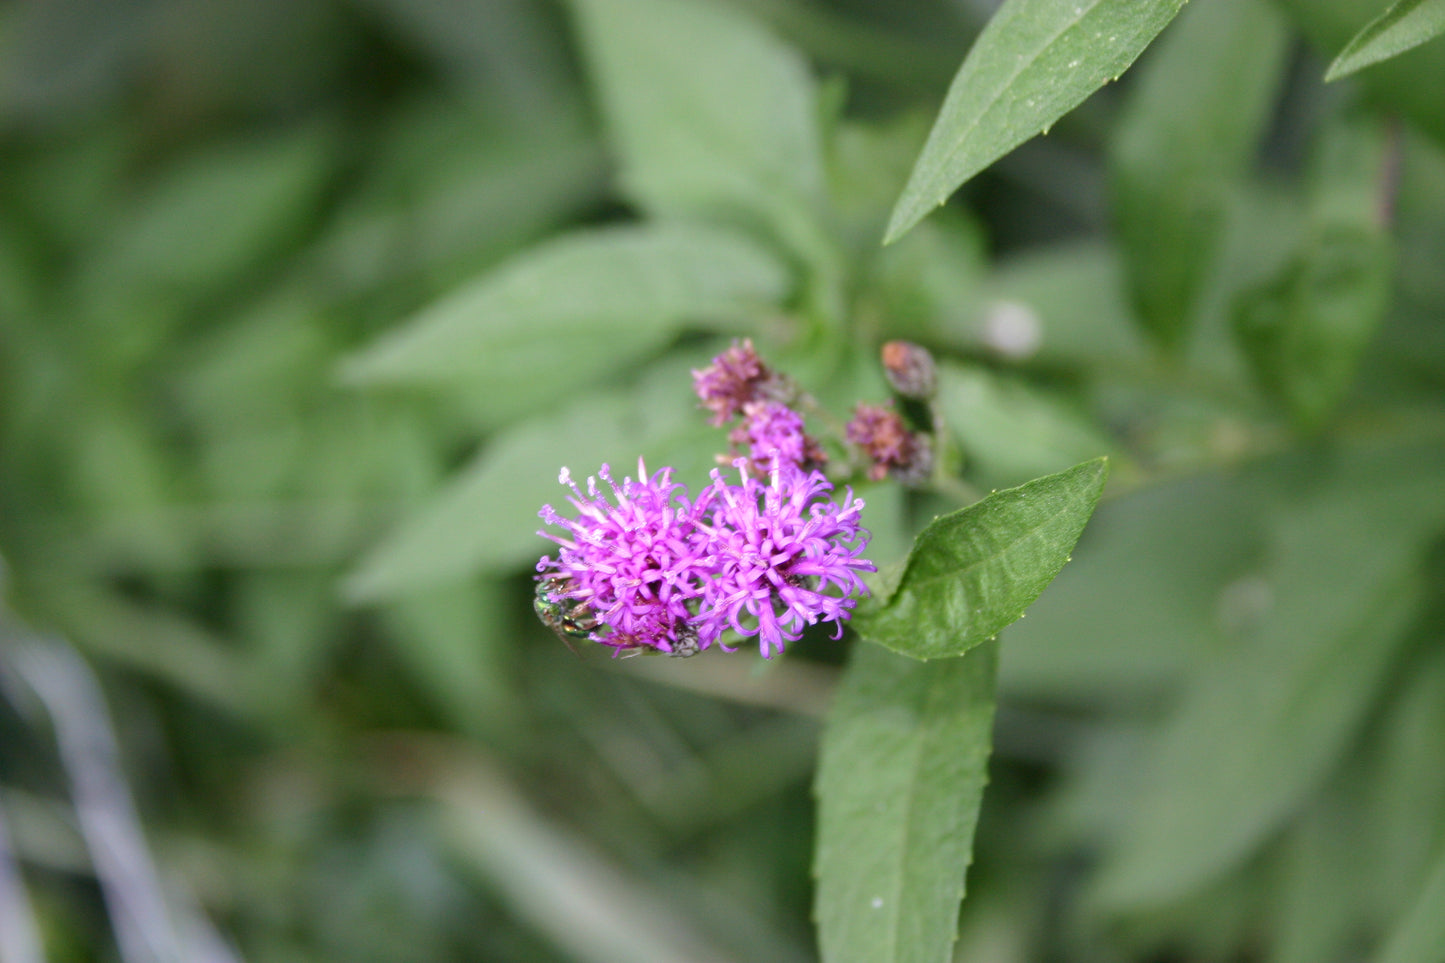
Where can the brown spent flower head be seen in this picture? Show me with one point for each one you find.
(736, 378)
(910, 369)
(889, 445)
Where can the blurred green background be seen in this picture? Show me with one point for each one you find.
(304, 302)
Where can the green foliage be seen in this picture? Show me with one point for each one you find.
(1305, 328)
(305, 303)
(974, 571)
(585, 305)
(716, 129)
(1421, 934)
(900, 781)
(1185, 140)
(1406, 24)
(1036, 61)
(1270, 716)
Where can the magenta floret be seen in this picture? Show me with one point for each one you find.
(773, 438)
(778, 549)
(638, 564)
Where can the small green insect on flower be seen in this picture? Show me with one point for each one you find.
(569, 618)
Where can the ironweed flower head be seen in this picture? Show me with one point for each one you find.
(889, 445)
(652, 570)
(777, 551)
(631, 569)
(735, 378)
(773, 436)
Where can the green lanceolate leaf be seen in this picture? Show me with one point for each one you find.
(580, 305)
(1188, 131)
(974, 571)
(1407, 24)
(1304, 329)
(1034, 62)
(1420, 936)
(709, 113)
(901, 775)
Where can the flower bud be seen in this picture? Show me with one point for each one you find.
(910, 370)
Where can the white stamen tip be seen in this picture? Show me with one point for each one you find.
(564, 477)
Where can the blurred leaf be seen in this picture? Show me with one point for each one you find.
(453, 191)
(212, 216)
(454, 642)
(1420, 935)
(501, 50)
(287, 621)
(1034, 62)
(576, 307)
(151, 639)
(900, 779)
(1405, 784)
(867, 165)
(973, 572)
(585, 905)
(711, 115)
(486, 518)
(1188, 130)
(1011, 431)
(1304, 329)
(885, 515)
(70, 188)
(1165, 564)
(1266, 721)
(1408, 84)
(1062, 305)
(62, 58)
(931, 284)
(1408, 23)
(1322, 871)
(121, 468)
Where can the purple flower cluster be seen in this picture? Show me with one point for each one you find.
(652, 569)
(657, 570)
(772, 435)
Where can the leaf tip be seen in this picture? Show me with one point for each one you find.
(1342, 67)
(900, 223)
